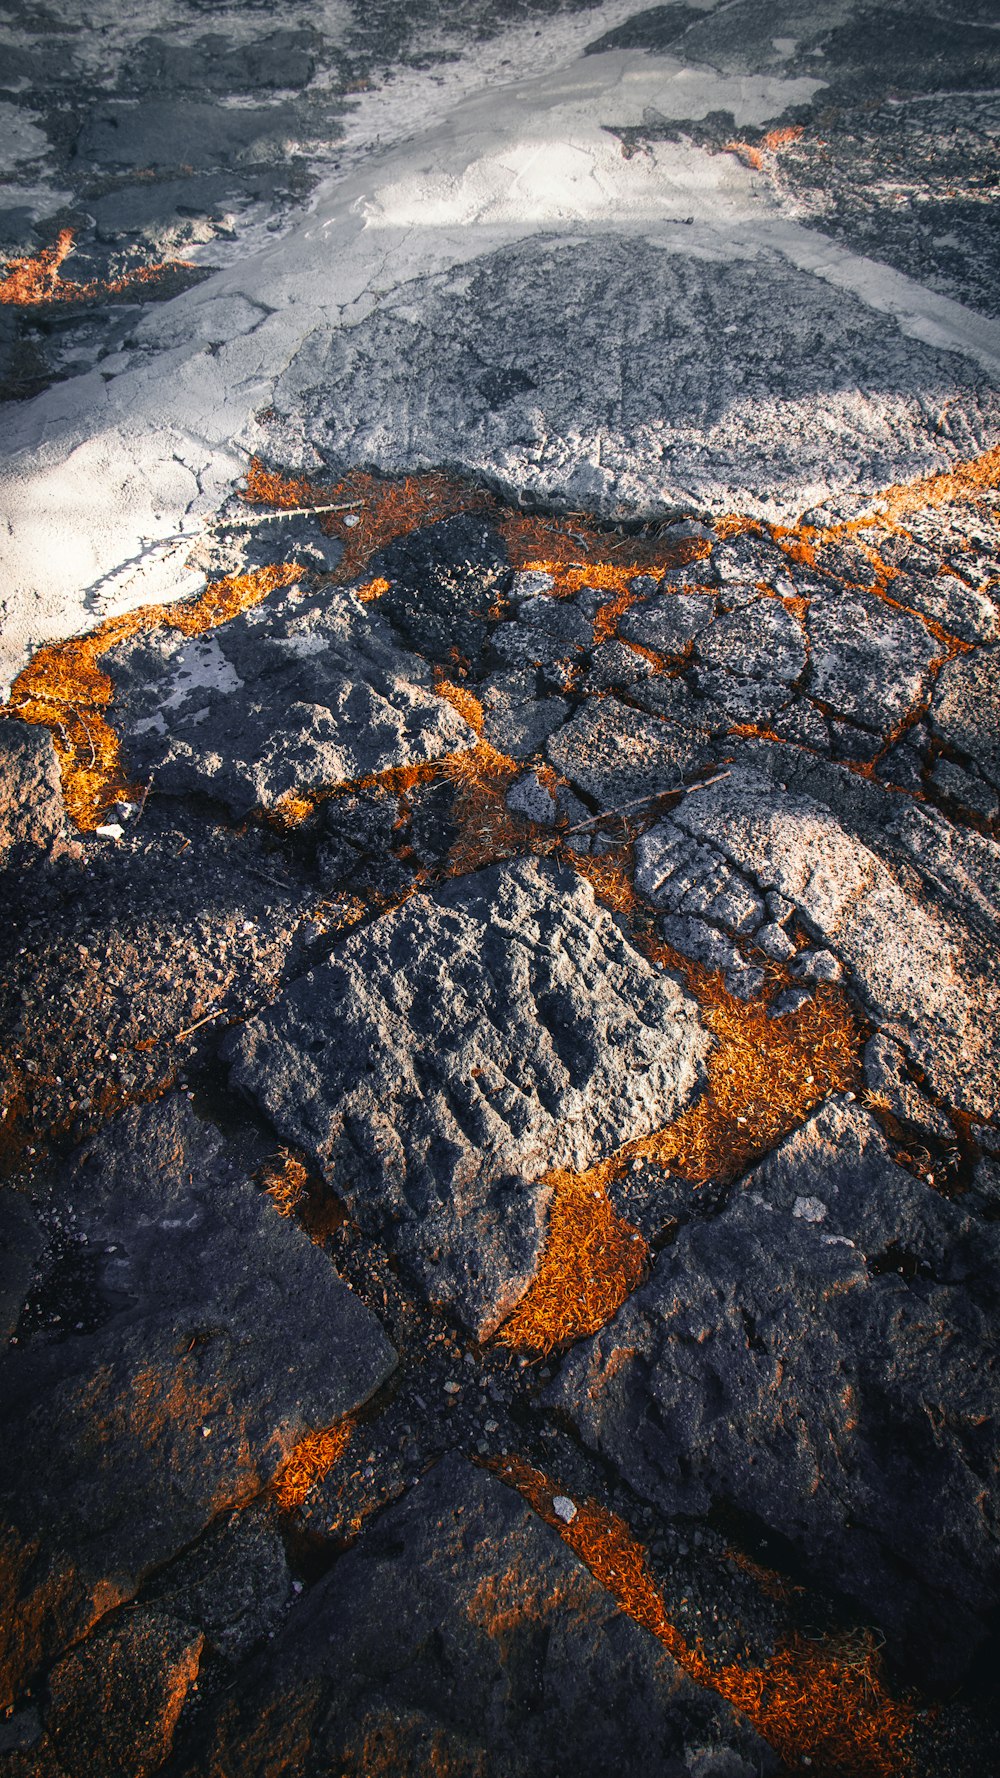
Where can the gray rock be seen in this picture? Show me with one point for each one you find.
(172, 133)
(870, 662)
(817, 966)
(679, 874)
(965, 709)
(223, 1335)
(761, 641)
(970, 794)
(712, 948)
(506, 1657)
(658, 403)
(774, 940)
(115, 1700)
(615, 664)
(616, 754)
(234, 1584)
(516, 721)
(833, 1376)
(917, 962)
(886, 1075)
(528, 796)
(306, 690)
(32, 819)
(668, 621)
(445, 1059)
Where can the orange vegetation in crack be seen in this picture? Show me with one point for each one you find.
(309, 1463)
(30, 282)
(64, 689)
(822, 1705)
(753, 154)
(765, 1076)
(298, 1194)
(382, 510)
(592, 1262)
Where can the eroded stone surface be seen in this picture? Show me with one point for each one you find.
(505, 1657)
(819, 1358)
(32, 818)
(447, 1058)
(306, 690)
(211, 1336)
(916, 951)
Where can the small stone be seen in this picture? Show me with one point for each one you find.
(110, 830)
(564, 1509)
(809, 1209)
(453, 1388)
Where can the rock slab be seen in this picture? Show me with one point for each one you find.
(447, 1058)
(216, 1336)
(819, 1358)
(506, 1659)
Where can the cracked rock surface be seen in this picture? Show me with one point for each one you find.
(499, 889)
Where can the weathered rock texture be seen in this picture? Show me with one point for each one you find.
(464, 1634)
(305, 691)
(819, 1358)
(211, 1336)
(443, 1061)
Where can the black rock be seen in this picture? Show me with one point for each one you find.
(306, 690)
(444, 582)
(820, 1359)
(226, 1336)
(463, 1632)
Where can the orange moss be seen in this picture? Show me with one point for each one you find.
(27, 282)
(385, 510)
(460, 699)
(592, 1263)
(310, 1462)
(65, 690)
(284, 1180)
(824, 1702)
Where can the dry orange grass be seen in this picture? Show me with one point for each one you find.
(310, 1462)
(822, 1702)
(27, 281)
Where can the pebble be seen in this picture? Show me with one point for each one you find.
(110, 830)
(564, 1509)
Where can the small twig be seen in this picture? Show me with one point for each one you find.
(207, 1020)
(142, 804)
(644, 802)
(286, 512)
(90, 738)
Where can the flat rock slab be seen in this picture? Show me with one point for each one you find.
(462, 1635)
(32, 818)
(449, 1056)
(965, 710)
(920, 968)
(616, 754)
(306, 690)
(819, 1357)
(215, 1335)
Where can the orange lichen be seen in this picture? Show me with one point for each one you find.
(309, 1463)
(295, 1192)
(822, 1705)
(592, 1263)
(30, 281)
(65, 690)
